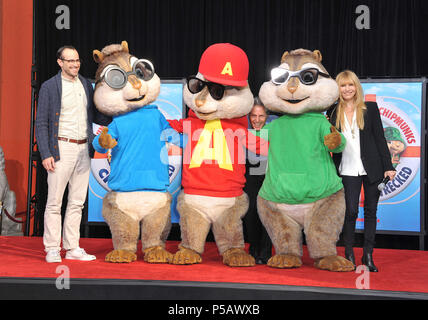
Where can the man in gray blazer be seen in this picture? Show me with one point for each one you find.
(63, 128)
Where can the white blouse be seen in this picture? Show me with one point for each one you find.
(351, 164)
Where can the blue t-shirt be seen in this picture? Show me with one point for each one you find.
(139, 161)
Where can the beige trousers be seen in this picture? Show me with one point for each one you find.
(73, 168)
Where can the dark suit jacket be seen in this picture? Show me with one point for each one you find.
(374, 150)
(49, 110)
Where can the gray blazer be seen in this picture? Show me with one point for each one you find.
(49, 110)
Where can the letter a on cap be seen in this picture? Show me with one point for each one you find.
(217, 61)
(227, 69)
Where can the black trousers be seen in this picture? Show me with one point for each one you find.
(254, 231)
(352, 187)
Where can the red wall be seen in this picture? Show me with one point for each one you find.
(16, 24)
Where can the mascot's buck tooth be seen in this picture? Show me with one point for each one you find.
(301, 189)
(219, 99)
(125, 87)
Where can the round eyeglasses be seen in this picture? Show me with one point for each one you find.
(78, 61)
(116, 77)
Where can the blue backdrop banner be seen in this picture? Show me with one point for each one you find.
(400, 105)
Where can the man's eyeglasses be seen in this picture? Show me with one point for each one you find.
(306, 76)
(78, 61)
(117, 78)
(216, 90)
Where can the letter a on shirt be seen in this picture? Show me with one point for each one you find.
(219, 152)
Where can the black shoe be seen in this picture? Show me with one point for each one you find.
(349, 255)
(367, 260)
(252, 250)
(262, 259)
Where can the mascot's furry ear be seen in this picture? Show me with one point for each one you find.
(124, 45)
(317, 55)
(98, 56)
(283, 56)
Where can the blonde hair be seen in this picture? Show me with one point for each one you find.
(347, 76)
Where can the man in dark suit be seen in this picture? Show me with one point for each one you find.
(65, 113)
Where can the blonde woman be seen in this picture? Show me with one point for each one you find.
(364, 161)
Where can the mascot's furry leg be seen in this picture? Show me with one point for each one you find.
(124, 229)
(227, 229)
(228, 233)
(154, 231)
(124, 211)
(322, 223)
(192, 239)
(285, 233)
(322, 229)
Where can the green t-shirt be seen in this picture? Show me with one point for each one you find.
(300, 168)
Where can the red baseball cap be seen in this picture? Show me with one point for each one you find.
(226, 64)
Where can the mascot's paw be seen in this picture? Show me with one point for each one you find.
(118, 256)
(284, 261)
(157, 255)
(186, 256)
(334, 263)
(105, 140)
(236, 257)
(333, 139)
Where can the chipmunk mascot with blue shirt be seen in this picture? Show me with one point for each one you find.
(125, 88)
(302, 189)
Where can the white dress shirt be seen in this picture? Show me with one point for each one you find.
(73, 117)
(351, 164)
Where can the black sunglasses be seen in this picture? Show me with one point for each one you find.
(216, 90)
(306, 76)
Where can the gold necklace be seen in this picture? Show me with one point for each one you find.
(351, 125)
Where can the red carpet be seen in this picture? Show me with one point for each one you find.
(399, 270)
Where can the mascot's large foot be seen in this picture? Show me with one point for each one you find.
(186, 256)
(157, 255)
(236, 257)
(334, 263)
(284, 261)
(119, 256)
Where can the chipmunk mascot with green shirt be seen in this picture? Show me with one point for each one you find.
(302, 190)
